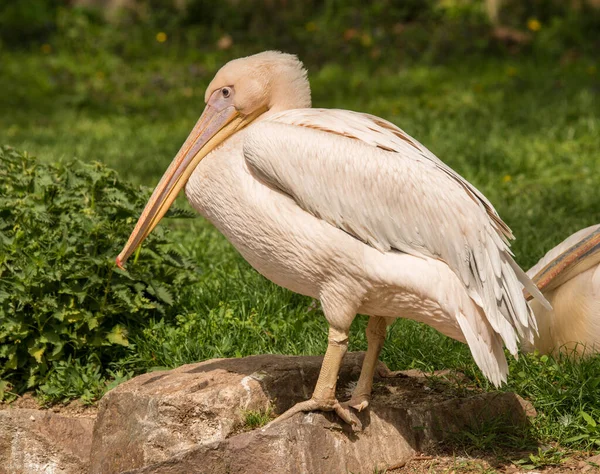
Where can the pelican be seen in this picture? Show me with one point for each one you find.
(347, 208)
(569, 277)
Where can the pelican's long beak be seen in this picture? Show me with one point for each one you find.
(213, 127)
(578, 258)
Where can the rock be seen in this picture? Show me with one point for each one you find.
(315, 443)
(594, 459)
(157, 415)
(591, 464)
(191, 420)
(40, 441)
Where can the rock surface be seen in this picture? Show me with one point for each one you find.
(40, 441)
(191, 420)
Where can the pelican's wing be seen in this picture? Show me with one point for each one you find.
(568, 259)
(369, 178)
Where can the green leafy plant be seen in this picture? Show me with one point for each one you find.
(61, 295)
(589, 428)
(82, 379)
(543, 458)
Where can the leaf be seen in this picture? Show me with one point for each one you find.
(118, 335)
(32, 381)
(577, 438)
(37, 353)
(162, 293)
(180, 213)
(12, 362)
(589, 420)
(4, 295)
(57, 349)
(4, 387)
(50, 336)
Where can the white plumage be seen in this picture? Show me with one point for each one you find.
(372, 180)
(347, 208)
(573, 323)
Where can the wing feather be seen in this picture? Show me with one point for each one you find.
(369, 178)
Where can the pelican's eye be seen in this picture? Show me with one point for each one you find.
(226, 91)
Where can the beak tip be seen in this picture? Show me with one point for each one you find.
(120, 263)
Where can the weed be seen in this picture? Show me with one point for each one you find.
(494, 435)
(76, 379)
(544, 458)
(256, 418)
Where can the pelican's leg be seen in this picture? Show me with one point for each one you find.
(323, 397)
(376, 331)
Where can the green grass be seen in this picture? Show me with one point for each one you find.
(256, 418)
(525, 131)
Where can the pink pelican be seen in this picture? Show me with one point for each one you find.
(569, 277)
(349, 209)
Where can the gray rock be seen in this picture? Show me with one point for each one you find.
(40, 441)
(191, 420)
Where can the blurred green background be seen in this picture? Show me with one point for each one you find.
(506, 92)
(84, 78)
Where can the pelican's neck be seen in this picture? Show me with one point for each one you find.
(290, 94)
(269, 113)
(287, 104)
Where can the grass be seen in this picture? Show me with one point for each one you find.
(496, 436)
(257, 418)
(524, 130)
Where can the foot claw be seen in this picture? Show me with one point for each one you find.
(323, 405)
(346, 414)
(359, 404)
(385, 373)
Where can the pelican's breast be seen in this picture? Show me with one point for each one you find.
(287, 245)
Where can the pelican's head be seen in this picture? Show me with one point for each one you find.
(243, 90)
(265, 81)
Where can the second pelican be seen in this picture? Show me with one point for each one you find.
(347, 208)
(569, 277)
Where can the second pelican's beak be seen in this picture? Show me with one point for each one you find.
(578, 258)
(219, 120)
